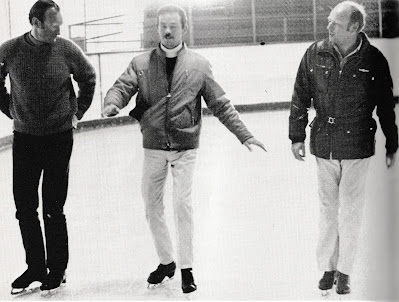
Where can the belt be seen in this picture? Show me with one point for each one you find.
(341, 120)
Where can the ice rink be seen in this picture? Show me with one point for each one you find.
(256, 218)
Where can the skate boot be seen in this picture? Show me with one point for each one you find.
(326, 282)
(342, 283)
(187, 281)
(22, 283)
(157, 276)
(53, 280)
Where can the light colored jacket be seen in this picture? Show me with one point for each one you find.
(172, 119)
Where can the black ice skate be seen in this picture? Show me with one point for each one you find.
(326, 282)
(53, 281)
(163, 271)
(24, 282)
(187, 281)
(342, 283)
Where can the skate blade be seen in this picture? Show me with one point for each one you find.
(34, 287)
(51, 292)
(325, 293)
(164, 281)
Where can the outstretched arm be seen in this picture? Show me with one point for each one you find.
(119, 95)
(253, 141)
(222, 108)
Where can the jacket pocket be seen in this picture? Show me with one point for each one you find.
(323, 75)
(185, 119)
(357, 141)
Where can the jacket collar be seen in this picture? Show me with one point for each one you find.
(181, 52)
(326, 46)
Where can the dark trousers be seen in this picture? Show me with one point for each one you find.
(32, 156)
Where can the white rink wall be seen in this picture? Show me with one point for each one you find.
(248, 74)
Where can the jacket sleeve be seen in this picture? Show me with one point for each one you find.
(221, 107)
(4, 96)
(124, 88)
(386, 105)
(85, 76)
(301, 101)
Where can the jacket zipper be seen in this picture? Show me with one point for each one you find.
(166, 120)
(168, 97)
(167, 109)
(339, 80)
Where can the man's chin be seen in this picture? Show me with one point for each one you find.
(169, 44)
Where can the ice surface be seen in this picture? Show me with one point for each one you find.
(255, 220)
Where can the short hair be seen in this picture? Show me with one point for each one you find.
(39, 9)
(357, 14)
(170, 8)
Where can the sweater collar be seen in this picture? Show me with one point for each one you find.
(31, 40)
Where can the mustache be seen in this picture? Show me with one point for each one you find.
(168, 36)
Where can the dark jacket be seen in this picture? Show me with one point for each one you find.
(344, 100)
(171, 120)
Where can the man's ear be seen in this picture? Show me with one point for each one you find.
(354, 27)
(185, 28)
(36, 22)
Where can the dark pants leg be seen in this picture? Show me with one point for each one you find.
(54, 193)
(32, 155)
(26, 175)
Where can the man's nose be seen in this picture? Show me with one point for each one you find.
(167, 30)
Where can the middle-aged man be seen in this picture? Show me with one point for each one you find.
(170, 81)
(44, 108)
(346, 78)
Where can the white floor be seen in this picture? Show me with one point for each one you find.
(255, 219)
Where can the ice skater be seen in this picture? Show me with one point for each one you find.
(44, 108)
(170, 81)
(346, 78)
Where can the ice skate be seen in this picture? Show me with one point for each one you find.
(158, 276)
(187, 281)
(28, 281)
(326, 283)
(52, 282)
(342, 284)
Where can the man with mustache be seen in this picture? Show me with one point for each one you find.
(170, 81)
(346, 78)
(45, 110)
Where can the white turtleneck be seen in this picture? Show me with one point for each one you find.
(171, 53)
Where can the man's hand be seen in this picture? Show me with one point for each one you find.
(390, 160)
(75, 122)
(110, 110)
(298, 149)
(253, 141)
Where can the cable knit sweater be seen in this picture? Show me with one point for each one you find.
(42, 99)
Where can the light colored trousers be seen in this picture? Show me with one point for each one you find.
(155, 171)
(342, 185)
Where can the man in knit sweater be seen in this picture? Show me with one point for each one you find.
(45, 109)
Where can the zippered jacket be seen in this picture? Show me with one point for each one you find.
(172, 119)
(344, 98)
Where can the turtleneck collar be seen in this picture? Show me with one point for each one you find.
(171, 53)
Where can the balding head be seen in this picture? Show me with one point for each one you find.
(354, 12)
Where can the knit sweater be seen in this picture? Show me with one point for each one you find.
(42, 99)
